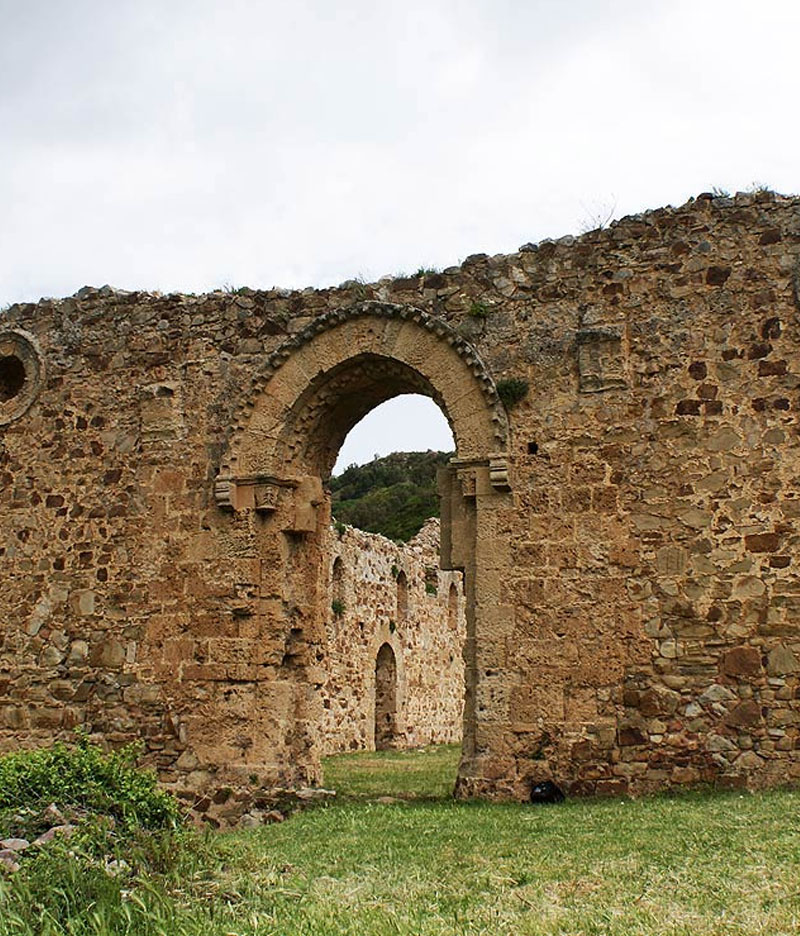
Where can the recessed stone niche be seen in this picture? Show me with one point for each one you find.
(161, 412)
(601, 362)
(21, 374)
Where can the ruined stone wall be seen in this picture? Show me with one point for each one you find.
(425, 630)
(645, 633)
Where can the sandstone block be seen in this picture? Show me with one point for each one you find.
(781, 661)
(630, 736)
(109, 654)
(762, 542)
(746, 714)
(658, 701)
(741, 661)
(748, 760)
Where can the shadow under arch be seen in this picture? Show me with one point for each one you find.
(293, 420)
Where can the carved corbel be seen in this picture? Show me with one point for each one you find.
(225, 493)
(259, 493)
(265, 497)
(498, 471)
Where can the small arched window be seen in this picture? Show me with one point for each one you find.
(337, 586)
(452, 606)
(402, 597)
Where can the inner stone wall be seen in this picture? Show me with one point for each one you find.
(426, 634)
(644, 633)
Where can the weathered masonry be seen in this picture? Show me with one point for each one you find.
(624, 504)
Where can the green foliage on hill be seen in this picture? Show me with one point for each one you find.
(393, 495)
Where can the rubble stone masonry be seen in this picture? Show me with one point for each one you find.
(624, 506)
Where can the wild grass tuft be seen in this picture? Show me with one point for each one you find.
(84, 776)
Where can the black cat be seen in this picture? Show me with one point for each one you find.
(546, 792)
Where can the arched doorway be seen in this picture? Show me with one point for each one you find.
(385, 698)
(312, 391)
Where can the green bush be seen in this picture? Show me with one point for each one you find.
(512, 390)
(84, 776)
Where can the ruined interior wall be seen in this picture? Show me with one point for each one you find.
(427, 642)
(653, 515)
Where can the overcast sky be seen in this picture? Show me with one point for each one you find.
(191, 144)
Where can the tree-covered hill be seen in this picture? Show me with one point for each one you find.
(393, 495)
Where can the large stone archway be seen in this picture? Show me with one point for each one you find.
(312, 391)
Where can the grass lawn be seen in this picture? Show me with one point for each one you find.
(424, 773)
(695, 865)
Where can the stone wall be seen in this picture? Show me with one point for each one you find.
(630, 542)
(388, 594)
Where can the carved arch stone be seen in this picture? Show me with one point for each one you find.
(335, 371)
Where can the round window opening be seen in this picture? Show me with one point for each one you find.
(21, 373)
(12, 377)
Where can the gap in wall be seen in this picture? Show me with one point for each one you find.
(396, 625)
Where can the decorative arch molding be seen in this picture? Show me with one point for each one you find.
(338, 368)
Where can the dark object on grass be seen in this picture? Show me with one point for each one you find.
(546, 792)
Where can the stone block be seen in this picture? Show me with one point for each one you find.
(741, 662)
(746, 714)
(161, 412)
(83, 602)
(631, 736)
(601, 361)
(762, 542)
(107, 654)
(781, 661)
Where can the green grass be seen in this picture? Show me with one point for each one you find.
(701, 865)
(425, 773)
(696, 865)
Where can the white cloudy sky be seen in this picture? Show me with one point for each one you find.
(190, 144)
